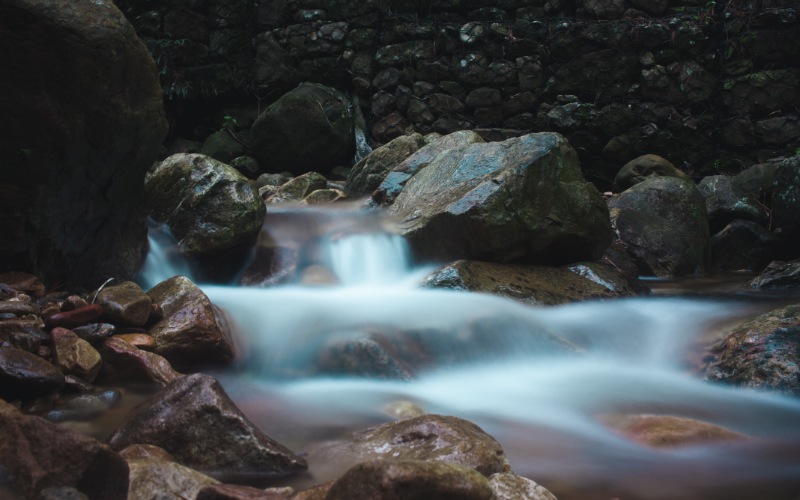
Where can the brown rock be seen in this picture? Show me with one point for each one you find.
(507, 486)
(145, 452)
(75, 317)
(25, 376)
(639, 169)
(24, 283)
(74, 355)
(666, 431)
(135, 365)
(140, 340)
(167, 480)
(125, 304)
(38, 455)
(193, 419)
(238, 492)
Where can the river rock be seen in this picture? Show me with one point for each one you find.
(763, 353)
(193, 331)
(165, 480)
(394, 181)
(94, 333)
(82, 117)
(367, 175)
(743, 245)
(239, 492)
(194, 420)
(208, 206)
(508, 486)
(84, 406)
(523, 199)
(125, 304)
(38, 454)
(324, 196)
(779, 276)
(410, 479)
(662, 222)
(667, 431)
(427, 438)
(540, 285)
(297, 188)
(786, 204)
(23, 283)
(24, 375)
(308, 128)
(639, 169)
(74, 355)
(222, 146)
(725, 203)
(131, 364)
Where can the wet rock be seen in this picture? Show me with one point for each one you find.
(165, 480)
(666, 431)
(367, 175)
(145, 452)
(523, 199)
(222, 146)
(763, 353)
(84, 406)
(743, 245)
(138, 340)
(639, 169)
(94, 333)
(324, 196)
(395, 180)
(39, 455)
(75, 317)
(78, 140)
(538, 285)
(74, 355)
(25, 376)
(725, 202)
(194, 420)
(426, 438)
(298, 188)
(507, 486)
(131, 364)
(193, 331)
(779, 276)
(756, 181)
(410, 479)
(786, 203)
(61, 493)
(207, 205)
(308, 128)
(23, 283)
(125, 304)
(663, 224)
(18, 308)
(238, 492)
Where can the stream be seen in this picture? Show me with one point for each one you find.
(636, 356)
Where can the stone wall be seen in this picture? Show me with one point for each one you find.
(712, 86)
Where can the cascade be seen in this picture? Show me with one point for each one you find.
(539, 380)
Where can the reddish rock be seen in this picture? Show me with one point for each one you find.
(239, 492)
(75, 317)
(130, 364)
(140, 340)
(666, 431)
(25, 376)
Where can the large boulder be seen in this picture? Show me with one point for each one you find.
(367, 175)
(663, 223)
(786, 204)
(726, 202)
(208, 206)
(523, 199)
(81, 119)
(643, 167)
(194, 419)
(763, 353)
(308, 128)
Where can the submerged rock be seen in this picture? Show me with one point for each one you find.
(763, 353)
(523, 199)
(194, 420)
(208, 206)
(38, 454)
(666, 431)
(427, 438)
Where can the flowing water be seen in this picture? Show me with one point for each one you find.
(543, 404)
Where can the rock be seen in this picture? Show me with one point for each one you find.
(324, 196)
(207, 205)
(138, 340)
(394, 181)
(81, 119)
(756, 181)
(786, 204)
(194, 420)
(18, 308)
(125, 304)
(39, 455)
(24, 283)
(74, 355)
(639, 169)
(237, 492)
(26, 376)
(666, 431)
(507, 486)
(426, 438)
(538, 285)
(409, 479)
(94, 333)
(742, 245)
(62, 493)
(725, 203)
(367, 175)
(520, 200)
(134, 365)
(222, 147)
(763, 353)
(165, 480)
(298, 188)
(84, 406)
(663, 224)
(193, 331)
(308, 128)
(145, 452)
(75, 317)
(779, 276)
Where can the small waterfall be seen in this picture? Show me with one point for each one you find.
(362, 147)
(368, 259)
(164, 259)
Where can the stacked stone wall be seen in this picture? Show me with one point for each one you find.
(712, 86)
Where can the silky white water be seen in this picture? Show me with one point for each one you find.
(537, 379)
